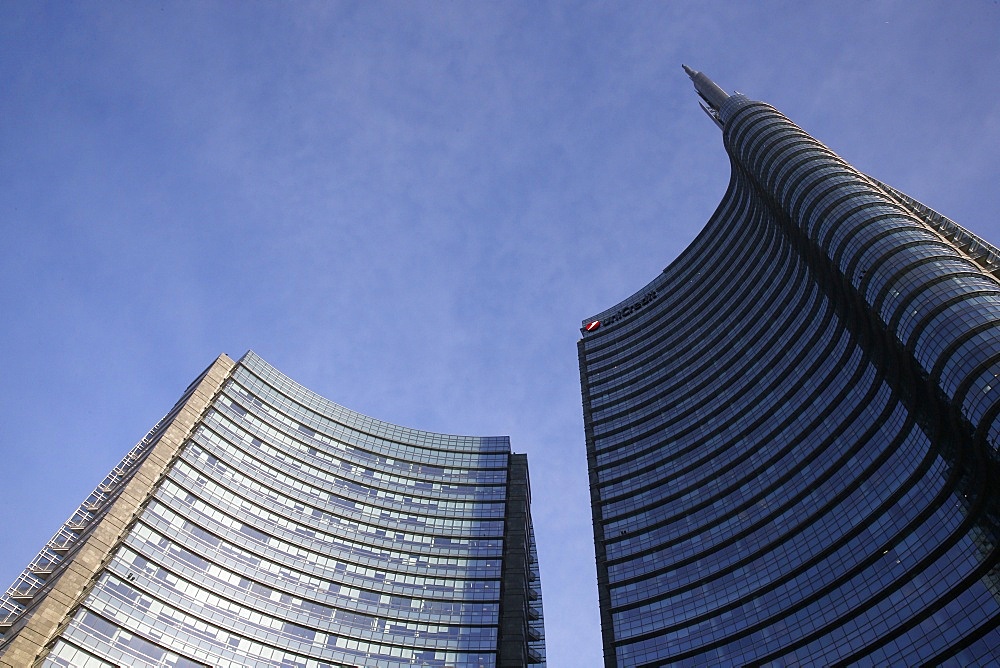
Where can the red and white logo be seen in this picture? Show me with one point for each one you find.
(593, 325)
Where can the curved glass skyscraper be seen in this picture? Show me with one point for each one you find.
(793, 431)
(261, 525)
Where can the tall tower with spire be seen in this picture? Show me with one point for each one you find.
(793, 432)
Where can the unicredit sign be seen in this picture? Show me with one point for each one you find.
(623, 312)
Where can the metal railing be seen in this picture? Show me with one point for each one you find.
(977, 249)
(52, 556)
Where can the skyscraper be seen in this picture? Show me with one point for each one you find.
(793, 430)
(258, 524)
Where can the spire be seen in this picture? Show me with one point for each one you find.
(707, 89)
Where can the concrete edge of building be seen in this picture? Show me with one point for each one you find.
(77, 577)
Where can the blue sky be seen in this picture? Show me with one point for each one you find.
(409, 207)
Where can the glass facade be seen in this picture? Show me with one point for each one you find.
(289, 531)
(793, 431)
